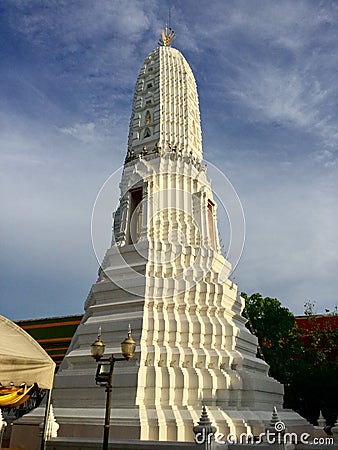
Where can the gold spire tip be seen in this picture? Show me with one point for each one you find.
(167, 36)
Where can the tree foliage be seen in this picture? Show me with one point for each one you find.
(305, 361)
(277, 332)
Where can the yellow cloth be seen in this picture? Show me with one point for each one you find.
(13, 397)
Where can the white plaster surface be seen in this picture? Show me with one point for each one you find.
(169, 280)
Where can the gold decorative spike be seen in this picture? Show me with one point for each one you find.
(168, 36)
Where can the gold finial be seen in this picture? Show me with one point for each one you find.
(167, 36)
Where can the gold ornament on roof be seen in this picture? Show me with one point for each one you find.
(167, 36)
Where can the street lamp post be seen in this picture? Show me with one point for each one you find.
(104, 373)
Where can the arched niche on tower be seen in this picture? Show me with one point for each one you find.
(147, 133)
(147, 118)
(149, 84)
(134, 220)
(211, 223)
(148, 101)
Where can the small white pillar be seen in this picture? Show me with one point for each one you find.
(334, 431)
(3, 425)
(274, 432)
(321, 420)
(52, 425)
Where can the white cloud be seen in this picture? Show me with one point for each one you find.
(282, 95)
(277, 65)
(72, 22)
(85, 132)
(291, 245)
(291, 97)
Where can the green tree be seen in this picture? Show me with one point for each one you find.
(277, 332)
(306, 362)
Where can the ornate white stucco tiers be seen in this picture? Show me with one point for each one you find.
(165, 108)
(164, 273)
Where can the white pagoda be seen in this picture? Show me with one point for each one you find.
(164, 273)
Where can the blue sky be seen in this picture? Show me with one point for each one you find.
(267, 80)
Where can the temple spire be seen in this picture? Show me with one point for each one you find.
(167, 36)
(165, 114)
